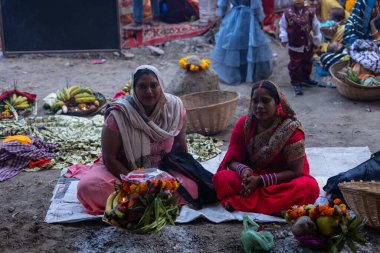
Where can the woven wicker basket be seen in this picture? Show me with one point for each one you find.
(209, 112)
(364, 199)
(350, 89)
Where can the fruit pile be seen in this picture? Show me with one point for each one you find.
(143, 202)
(13, 105)
(127, 88)
(359, 77)
(75, 97)
(325, 226)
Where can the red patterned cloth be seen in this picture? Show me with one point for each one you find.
(271, 199)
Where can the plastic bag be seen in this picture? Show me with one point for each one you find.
(254, 240)
(140, 176)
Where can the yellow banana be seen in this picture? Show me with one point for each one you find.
(119, 214)
(108, 211)
(23, 105)
(72, 89)
(83, 94)
(13, 98)
(85, 100)
(66, 93)
(60, 96)
(58, 104)
(20, 100)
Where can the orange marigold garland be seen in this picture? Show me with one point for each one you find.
(143, 202)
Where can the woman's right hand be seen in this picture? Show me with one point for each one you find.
(246, 173)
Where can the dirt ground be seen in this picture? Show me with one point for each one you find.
(329, 120)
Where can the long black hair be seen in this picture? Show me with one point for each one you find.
(269, 86)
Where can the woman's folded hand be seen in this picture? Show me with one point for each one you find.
(249, 185)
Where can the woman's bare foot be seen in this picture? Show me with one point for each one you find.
(228, 207)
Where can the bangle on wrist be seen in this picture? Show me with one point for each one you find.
(269, 179)
(241, 168)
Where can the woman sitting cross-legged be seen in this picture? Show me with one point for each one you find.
(138, 131)
(265, 169)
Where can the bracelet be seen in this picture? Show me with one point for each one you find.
(269, 179)
(240, 169)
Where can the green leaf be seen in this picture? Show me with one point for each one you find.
(351, 245)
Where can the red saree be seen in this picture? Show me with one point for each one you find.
(268, 7)
(271, 199)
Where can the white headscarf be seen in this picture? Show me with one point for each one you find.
(137, 129)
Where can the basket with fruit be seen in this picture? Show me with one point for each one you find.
(76, 100)
(15, 104)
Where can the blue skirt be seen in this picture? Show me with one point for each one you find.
(241, 52)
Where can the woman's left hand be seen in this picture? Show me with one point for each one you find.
(250, 185)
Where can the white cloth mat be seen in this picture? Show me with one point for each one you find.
(324, 163)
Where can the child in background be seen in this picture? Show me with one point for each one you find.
(336, 19)
(299, 29)
(138, 14)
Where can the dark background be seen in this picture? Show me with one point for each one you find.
(59, 25)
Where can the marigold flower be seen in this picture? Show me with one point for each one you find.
(205, 63)
(313, 213)
(143, 187)
(337, 201)
(133, 188)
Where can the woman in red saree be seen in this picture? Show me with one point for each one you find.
(265, 169)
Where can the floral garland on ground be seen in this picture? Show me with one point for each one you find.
(205, 63)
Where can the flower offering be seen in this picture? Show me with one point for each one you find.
(143, 202)
(325, 226)
(194, 64)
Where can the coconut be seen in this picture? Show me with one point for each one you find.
(304, 225)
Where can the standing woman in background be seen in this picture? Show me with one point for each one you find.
(241, 52)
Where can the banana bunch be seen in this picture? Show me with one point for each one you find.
(127, 88)
(113, 207)
(75, 94)
(19, 102)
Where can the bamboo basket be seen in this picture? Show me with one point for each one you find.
(350, 89)
(210, 112)
(364, 199)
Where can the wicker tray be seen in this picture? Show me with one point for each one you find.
(364, 199)
(210, 112)
(350, 89)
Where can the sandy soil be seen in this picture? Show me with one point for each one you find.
(329, 121)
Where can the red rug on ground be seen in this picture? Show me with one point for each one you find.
(150, 35)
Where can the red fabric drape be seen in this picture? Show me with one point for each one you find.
(29, 96)
(267, 200)
(268, 6)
